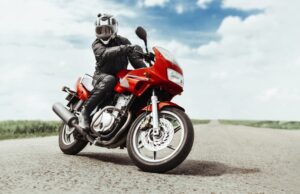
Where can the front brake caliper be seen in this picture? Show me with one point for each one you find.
(146, 124)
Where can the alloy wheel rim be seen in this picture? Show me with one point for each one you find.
(168, 143)
(68, 135)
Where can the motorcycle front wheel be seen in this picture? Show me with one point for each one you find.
(165, 151)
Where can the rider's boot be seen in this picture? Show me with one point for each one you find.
(83, 119)
(91, 103)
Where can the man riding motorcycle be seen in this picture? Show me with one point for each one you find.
(140, 115)
(112, 53)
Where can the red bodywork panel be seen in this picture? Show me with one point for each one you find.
(82, 93)
(162, 105)
(139, 80)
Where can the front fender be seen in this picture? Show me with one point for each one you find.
(160, 105)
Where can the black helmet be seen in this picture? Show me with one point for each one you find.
(106, 27)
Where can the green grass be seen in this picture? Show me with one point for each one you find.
(13, 129)
(197, 121)
(264, 124)
(23, 128)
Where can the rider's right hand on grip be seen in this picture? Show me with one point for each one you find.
(127, 48)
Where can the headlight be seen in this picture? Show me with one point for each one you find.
(175, 77)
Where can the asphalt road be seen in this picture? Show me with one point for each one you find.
(224, 159)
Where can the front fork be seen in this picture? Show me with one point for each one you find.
(154, 103)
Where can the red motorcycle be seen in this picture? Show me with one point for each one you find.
(141, 117)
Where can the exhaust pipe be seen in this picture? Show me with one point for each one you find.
(64, 113)
(70, 119)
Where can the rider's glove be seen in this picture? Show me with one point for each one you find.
(130, 48)
(127, 48)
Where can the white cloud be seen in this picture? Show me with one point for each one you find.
(203, 3)
(269, 38)
(220, 75)
(153, 3)
(179, 8)
(268, 94)
(36, 58)
(248, 5)
(279, 94)
(251, 72)
(36, 17)
(261, 54)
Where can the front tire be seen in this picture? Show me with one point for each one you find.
(68, 143)
(160, 154)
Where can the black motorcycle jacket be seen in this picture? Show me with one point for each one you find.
(113, 57)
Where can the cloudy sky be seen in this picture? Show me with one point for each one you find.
(240, 57)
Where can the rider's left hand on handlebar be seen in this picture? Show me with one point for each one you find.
(131, 48)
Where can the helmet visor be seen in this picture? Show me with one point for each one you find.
(104, 32)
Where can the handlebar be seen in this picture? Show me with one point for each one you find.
(147, 57)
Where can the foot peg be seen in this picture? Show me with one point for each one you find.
(83, 133)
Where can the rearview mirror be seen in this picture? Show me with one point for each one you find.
(142, 34)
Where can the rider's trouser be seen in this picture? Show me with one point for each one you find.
(103, 89)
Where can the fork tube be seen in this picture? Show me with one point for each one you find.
(154, 102)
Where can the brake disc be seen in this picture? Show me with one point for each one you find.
(160, 141)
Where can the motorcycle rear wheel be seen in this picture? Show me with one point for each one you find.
(68, 143)
(160, 154)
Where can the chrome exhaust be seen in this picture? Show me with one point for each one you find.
(64, 113)
(70, 119)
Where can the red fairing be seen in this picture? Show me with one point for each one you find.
(139, 80)
(121, 75)
(82, 93)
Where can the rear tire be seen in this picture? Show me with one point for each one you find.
(170, 161)
(69, 147)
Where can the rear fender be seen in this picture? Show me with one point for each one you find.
(161, 105)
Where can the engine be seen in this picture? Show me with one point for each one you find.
(105, 119)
